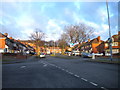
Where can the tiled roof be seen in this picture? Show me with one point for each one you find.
(2, 35)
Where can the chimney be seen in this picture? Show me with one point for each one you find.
(88, 40)
(6, 34)
(11, 38)
(98, 38)
(18, 40)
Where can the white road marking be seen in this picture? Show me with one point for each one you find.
(22, 66)
(76, 75)
(103, 88)
(70, 72)
(44, 65)
(93, 83)
(84, 79)
(55, 65)
(59, 67)
(67, 71)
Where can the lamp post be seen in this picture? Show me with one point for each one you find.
(45, 45)
(54, 44)
(110, 41)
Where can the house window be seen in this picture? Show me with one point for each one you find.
(90, 45)
(106, 45)
(115, 43)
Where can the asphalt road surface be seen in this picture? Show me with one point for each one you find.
(51, 72)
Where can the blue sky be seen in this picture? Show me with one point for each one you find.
(19, 19)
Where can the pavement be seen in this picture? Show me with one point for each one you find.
(51, 72)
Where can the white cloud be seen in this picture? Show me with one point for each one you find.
(25, 21)
(102, 12)
(76, 17)
(27, 31)
(105, 27)
(77, 4)
(54, 29)
(45, 6)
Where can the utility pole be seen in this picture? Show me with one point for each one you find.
(54, 43)
(110, 41)
(54, 47)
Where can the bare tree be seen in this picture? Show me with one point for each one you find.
(37, 37)
(78, 33)
(62, 42)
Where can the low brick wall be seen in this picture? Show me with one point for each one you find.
(12, 56)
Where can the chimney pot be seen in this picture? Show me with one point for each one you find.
(6, 34)
(99, 38)
(11, 38)
(88, 40)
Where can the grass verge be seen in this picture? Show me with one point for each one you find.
(105, 61)
(67, 57)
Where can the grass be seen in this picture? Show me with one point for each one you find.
(52, 55)
(7, 60)
(67, 57)
(105, 61)
(100, 61)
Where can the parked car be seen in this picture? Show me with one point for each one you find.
(68, 53)
(98, 54)
(86, 55)
(42, 55)
(76, 53)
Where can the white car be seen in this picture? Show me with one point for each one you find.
(87, 55)
(76, 53)
(42, 55)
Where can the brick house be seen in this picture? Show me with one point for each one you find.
(10, 45)
(104, 46)
(91, 45)
(2, 42)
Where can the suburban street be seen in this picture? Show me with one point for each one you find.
(60, 44)
(53, 72)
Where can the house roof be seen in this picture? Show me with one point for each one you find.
(115, 37)
(2, 35)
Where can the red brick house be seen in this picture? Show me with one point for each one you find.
(104, 46)
(10, 45)
(91, 45)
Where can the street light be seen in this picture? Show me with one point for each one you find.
(110, 43)
(54, 44)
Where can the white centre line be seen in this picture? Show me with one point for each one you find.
(44, 65)
(22, 66)
(67, 71)
(84, 79)
(93, 83)
(76, 75)
(70, 72)
(103, 88)
(59, 67)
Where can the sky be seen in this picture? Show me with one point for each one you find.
(20, 19)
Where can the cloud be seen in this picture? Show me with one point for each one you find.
(22, 18)
(54, 28)
(77, 4)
